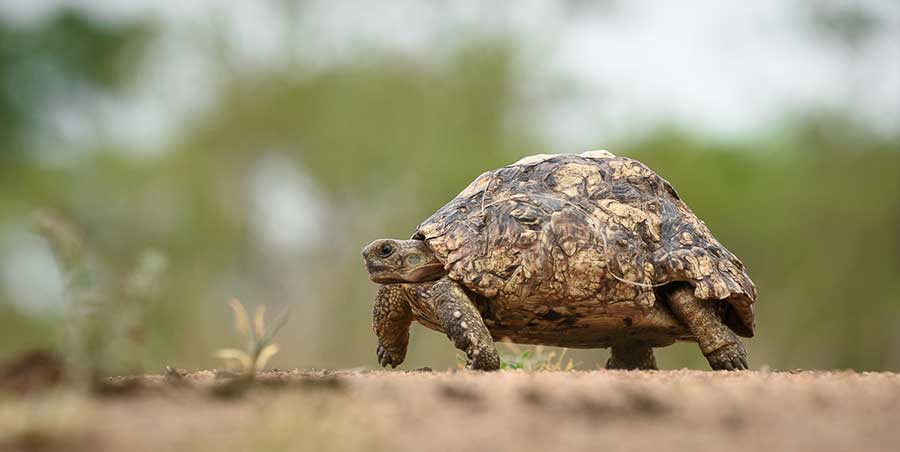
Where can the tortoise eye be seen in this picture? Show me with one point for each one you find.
(386, 250)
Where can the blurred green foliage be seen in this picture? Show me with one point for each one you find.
(55, 60)
(813, 209)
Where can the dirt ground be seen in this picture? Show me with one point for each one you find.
(463, 411)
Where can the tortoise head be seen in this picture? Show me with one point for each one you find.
(399, 261)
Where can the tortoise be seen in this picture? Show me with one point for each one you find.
(587, 250)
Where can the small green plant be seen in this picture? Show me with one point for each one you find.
(259, 348)
(521, 361)
(514, 357)
(107, 310)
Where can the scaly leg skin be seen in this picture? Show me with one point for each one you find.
(723, 349)
(391, 319)
(631, 356)
(463, 324)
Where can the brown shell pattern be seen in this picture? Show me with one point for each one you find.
(589, 228)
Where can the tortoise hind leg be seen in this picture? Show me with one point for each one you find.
(632, 356)
(721, 346)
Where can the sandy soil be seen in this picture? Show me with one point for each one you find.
(439, 411)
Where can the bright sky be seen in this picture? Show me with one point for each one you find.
(593, 71)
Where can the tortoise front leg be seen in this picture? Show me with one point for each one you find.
(463, 324)
(721, 346)
(391, 319)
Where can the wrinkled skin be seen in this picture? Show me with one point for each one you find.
(574, 251)
(396, 261)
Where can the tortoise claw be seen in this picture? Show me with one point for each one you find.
(731, 357)
(389, 357)
(484, 358)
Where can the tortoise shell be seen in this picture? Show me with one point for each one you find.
(570, 238)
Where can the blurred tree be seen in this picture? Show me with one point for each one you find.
(847, 23)
(48, 61)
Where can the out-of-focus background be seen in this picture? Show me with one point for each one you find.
(188, 152)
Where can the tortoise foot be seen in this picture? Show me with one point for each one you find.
(483, 358)
(631, 357)
(730, 357)
(388, 356)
